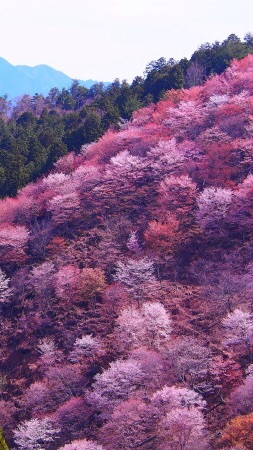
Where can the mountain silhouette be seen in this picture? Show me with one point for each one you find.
(16, 81)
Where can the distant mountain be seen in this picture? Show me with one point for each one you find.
(16, 81)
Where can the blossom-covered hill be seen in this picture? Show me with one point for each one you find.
(126, 284)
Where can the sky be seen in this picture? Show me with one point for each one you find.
(108, 39)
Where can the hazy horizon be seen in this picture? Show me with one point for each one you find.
(114, 39)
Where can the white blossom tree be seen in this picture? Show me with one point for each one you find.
(213, 206)
(133, 243)
(238, 327)
(116, 384)
(86, 347)
(34, 434)
(138, 277)
(5, 291)
(148, 326)
(82, 444)
(170, 397)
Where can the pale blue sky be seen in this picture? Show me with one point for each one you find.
(108, 39)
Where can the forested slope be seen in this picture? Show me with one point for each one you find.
(36, 130)
(126, 283)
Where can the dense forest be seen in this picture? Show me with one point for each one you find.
(126, 283)
(36, 131)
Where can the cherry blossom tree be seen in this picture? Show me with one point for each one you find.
(82, 444)
(13, 242)
(165, 157)
(54, 182)
(38, 399)
(130, 426)
(213, 207)
(5, 290)
(116, 384)
(182, 429)
(35, 433)
(187, 119)
(42, 279)
(157, 324)
(133, 243)
(170, 397)
(73, 417)
(130, 332)
(66, 282)
(65, 208)
(241, 398)
(49, 353)
(178, 194)
(190, 360)
(148, 326)
(138, 277)
(238, 327)
(125, 165)
(87, 348)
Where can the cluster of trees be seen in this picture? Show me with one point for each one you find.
(126, 284)
(36, 131)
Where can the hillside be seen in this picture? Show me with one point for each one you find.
(36, 130)
(16, 81)
(126, 283)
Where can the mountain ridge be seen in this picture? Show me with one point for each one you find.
(19, 80)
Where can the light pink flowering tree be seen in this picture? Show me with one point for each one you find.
(34, 434)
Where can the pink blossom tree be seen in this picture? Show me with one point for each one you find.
(87, 349)
(65, 208)
(182, 429)
(66, 282)
(178, 194)
(13, 243)
(38, 399)
(73, 417)
(130, 426)
(42, 279)
(187, 119)
(241, 398)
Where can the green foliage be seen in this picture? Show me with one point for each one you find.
(215, 58)
(3, 445)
